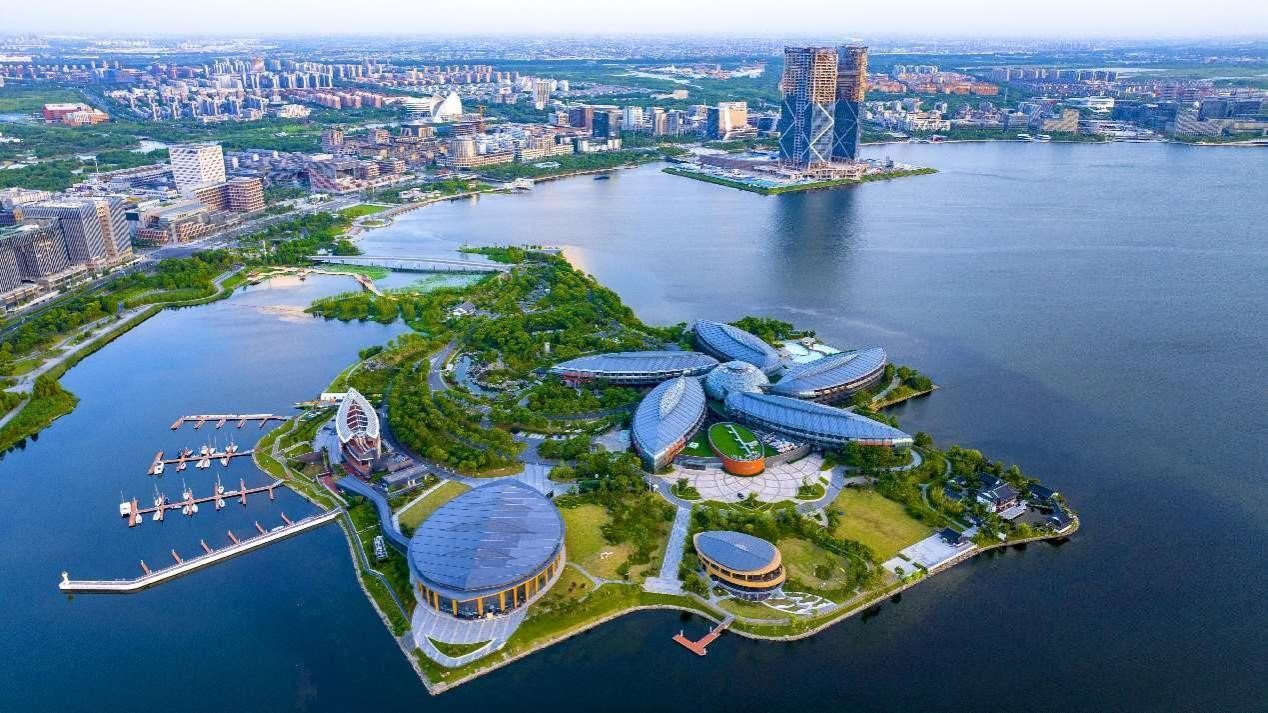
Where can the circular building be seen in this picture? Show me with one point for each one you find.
(748, 567)
(492, 549)
(740, 451)
(734, 376)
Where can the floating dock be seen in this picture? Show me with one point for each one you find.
(220, 419)
(208, 557)
(135, 514)
(699, 647)
(200, 460)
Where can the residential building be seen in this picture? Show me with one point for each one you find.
(38, 248)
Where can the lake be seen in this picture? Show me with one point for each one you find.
(1094, 313)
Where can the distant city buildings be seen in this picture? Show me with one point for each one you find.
(73, 114)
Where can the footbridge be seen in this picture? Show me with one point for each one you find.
(406, 263)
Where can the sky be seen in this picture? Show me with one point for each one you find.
(949, 18)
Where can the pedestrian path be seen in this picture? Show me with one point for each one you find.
(667, 581)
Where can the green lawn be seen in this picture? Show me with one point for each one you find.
(753, 610)
(572, 586)
(723, 437)
(586, 544)
(412, 517)
(456, 650)
(698, 447)
(876, 521)
(803, 560)
(360, 210)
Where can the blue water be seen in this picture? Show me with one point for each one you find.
(1093, 313)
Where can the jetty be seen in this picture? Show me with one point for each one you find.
(220, 419)
(198, 458)
(188, 504)
(699, 647)
(151, 577)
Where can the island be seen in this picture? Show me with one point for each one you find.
(531, 460)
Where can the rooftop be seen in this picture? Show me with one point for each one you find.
(736, 551)
(736, 344)
(637, 362)
(488, 539)
(668, 413)
(810, 417)
(831, 371)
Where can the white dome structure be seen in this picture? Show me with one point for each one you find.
(450, 108)
(732, 377)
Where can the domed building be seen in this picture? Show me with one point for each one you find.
(735, 376)
(489, 551)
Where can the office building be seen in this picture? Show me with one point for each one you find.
(38, 247)
(632, 118)
(244, 195)
(81, 227)
(10, 273)
(809, 87)
(847, 117)
(196, 165)
(726, 120)
(115, 233)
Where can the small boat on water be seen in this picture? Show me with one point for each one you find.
(602, 177)
(158, 467)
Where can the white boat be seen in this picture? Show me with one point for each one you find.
(158, 467)
(125, 508)
(1043, 137)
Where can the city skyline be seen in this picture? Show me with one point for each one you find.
(1084, 19)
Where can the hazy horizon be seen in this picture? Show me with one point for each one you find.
(970, 19)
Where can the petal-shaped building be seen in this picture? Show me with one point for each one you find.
(357, 427)
(833, 377)
(667, 416)
(634, 368)
(824, 426)
(730, 343)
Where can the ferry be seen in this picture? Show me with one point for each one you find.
(1043, 137)
(1024, 137)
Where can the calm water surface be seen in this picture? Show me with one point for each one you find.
(1094, 313)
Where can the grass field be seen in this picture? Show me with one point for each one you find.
(753, 610)
(445, 492)
(877, 522)
(697, 447)
(802, 558)
(585, 543)
(723, 437)
(361, 210)
(571, 586)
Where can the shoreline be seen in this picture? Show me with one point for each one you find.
(705, 611)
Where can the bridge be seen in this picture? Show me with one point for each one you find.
(405, 263)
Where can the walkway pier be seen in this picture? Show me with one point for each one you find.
(208, 557)
(135, 514)
(221, 419)
(200, 460)
(411, 263)
(699, 647)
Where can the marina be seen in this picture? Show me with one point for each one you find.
(188, 504)
(221, 419)
(151, 577)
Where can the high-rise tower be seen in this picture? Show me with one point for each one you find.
(809, 86)
(851, 90)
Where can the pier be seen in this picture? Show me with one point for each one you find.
(188, 504)
(209, 556)
(404, 263)
(199, 459)
(220, 419)
(699, 647)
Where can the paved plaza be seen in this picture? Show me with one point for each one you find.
(776, 483)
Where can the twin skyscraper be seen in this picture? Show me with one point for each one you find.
(820, 120)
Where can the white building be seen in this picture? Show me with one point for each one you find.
(196, 165)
